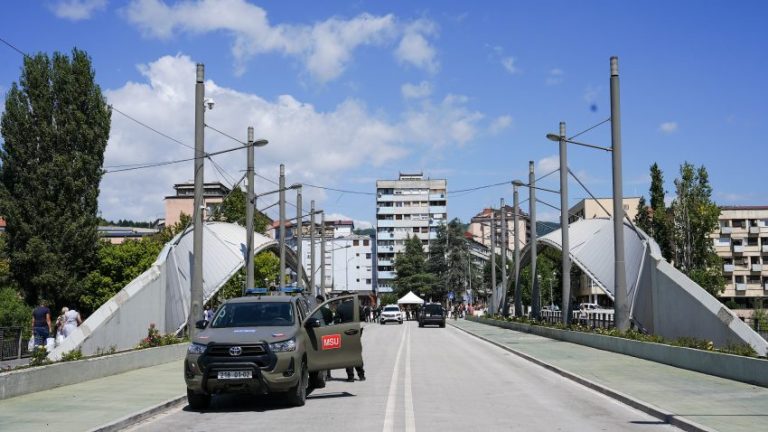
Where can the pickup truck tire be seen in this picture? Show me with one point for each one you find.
(297, 396)
(198, 401)
(317, 380)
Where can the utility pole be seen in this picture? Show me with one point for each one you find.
(249, 208)
(281, 187)
(518, 293)
(565, 270)
(299, 229)
(312, 287)
(322, 254)
(536, 304)
(196, 293)
(621, 304)
(493, 261)
(503, 292)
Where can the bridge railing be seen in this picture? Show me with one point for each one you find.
(602, 318)
(13, 344)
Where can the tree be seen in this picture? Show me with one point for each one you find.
(695, 216)
(232, 209)
(411, 268)
(14, 312)
(266, 270)
(55, 129)
(661, 225)
(643, 218)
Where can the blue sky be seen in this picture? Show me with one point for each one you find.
(348, 92)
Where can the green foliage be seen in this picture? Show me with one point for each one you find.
(448, 260)
(117, 265)
(387, 298)
(661, 224)
(233, 210)
(13, 312)
(73, 355)
(643, 217)
(266, 270)
(55, 128)
(102, 352)
(155, 339)
(411, 268)
(39, 356)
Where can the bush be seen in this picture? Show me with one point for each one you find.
(73, 355)
(14, 312)
(155, 339)
(39, 356)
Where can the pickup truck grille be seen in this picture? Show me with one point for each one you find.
(247, 350)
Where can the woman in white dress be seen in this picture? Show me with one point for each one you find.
(71, 321)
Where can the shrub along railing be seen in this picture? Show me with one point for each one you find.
(13, 344)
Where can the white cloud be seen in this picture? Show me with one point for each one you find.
(416, 91)
(415, 49)
(547, 165)
(668, 127)
(325, 48)
(509, 65)
(77, 10)
(555, 77)
(591, 93)
(317, 147)
(500, 123)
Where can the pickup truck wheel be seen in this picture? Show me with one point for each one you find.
(198, 401)
(317, 380)
(297, 396)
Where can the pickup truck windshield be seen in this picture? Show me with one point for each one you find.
(253, 315)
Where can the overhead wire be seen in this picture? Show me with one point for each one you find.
(589, 129)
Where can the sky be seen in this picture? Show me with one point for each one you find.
(348, 92)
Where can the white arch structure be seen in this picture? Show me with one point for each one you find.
(663, 300)
(160, 295)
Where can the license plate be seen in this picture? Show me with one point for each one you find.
(429, 315)
(245, 374)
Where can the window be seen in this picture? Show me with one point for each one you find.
(367, 281)
(367, 256)
(366, 242)
(356, 243)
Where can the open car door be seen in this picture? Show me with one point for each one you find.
(334, 335)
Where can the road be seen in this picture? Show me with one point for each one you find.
(424, 379)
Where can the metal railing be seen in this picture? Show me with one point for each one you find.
(13, 344)
(759, 326)
(593, 318)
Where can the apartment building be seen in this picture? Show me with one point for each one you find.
(184, 200)
(480, 227)
(741, 240)
(411, 205)
(601, 208)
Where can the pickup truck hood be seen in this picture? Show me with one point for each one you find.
(245, 335)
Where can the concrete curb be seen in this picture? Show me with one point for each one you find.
(659, 413)
(140, 415)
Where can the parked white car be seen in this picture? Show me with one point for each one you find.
(391, 313)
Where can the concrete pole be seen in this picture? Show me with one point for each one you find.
(322, 254)
(535, 303)
(503, 291)
(299, 229)
(492, 306)
(566, 257)
(621, 305)
(518, 291)
(281, 187)
(312, 286)
(249, 208)
(196, 292)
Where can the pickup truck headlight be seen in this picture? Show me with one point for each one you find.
(196, 348)
(284, 346)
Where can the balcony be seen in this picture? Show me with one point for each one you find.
(385, 210)
(739, 286)
(387, 275)
(436, 197)
(765, 285)
(385, 223)
(757, 267)
(738, 248)
(728, 268)
(437, 209)
(765, 248)
(385, 262)
(754, 230)
(384, 197)
(726, 230)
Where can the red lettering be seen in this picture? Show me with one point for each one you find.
(331, 341)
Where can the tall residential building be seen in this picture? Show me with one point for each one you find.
(480, 227)
(601, 208)
(411, 205)
(741, 240)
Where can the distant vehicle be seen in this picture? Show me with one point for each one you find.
(589, 306)
(432, 314)
(553, 307)
(391, 313)
(271, 344)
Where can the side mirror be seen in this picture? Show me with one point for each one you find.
(312, 323)
(201, 324)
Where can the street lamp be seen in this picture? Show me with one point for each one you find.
(621, 305)
(250, 209)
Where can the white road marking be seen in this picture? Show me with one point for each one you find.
(410, 419)
(389, 416)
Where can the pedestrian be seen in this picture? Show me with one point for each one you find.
(60, 325)
(41, 324)
(71, 321)
(208, 314)
(359, 369)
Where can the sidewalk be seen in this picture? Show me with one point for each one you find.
(94, 403)
(701, 401)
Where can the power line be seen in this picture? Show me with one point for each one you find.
(225, 134)
(589, 129)
(338, 190)
(151, 128)
(154, 165)
(13, 47)
(478, 188)
(548, 174)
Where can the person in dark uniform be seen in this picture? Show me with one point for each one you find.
(327, 314)
(347, 315)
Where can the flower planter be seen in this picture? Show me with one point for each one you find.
(34, 379)
(739, 368)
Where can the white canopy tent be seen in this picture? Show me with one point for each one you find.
(410, 298)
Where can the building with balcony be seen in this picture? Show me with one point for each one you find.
(480, 228)
(184, 200)
(741, 240)
(412, 205)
